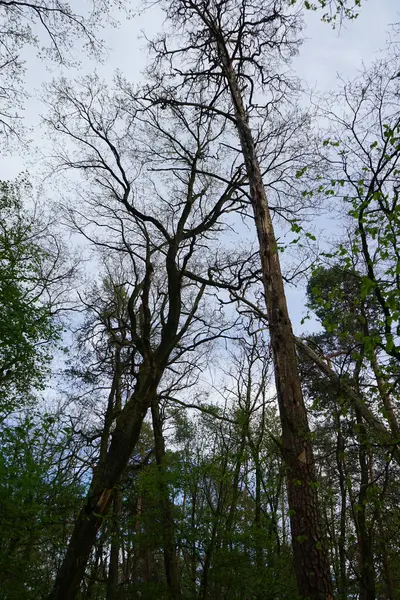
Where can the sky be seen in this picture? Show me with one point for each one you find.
(325, 54)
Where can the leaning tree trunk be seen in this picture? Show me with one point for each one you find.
(309, 545)
(105, 478)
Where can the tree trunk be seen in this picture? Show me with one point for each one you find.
(113, 567)
(167, 525)
(310, 554)
(387, 568)
(105, 478)
(94, 572)
(193, 561)
(257, 518)
(235, 488)
(366, 555)
(210, 548)
(340, 447)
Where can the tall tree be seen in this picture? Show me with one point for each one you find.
(362, 156)
(363, 466)
(363, 161)
(229, 54)
(161, 244)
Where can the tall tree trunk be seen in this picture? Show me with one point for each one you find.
(257, 517)
(387, 568)
(366, 555)
(309, 545)
(235, 487)
(106, 476)
(95, 570)
(342, 579)
(115, 408)
(167, 525)
(212, 544)
(193, 554)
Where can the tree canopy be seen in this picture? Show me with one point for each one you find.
(167, 429)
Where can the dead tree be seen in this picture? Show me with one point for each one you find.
(227, 61)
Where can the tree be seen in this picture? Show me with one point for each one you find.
(231, 56)
(159, 242)
(363, 151)
(34, 271)
(362, 157)
(51, 26)
(40, 494)
(358, 458)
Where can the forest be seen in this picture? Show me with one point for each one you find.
(199, 307)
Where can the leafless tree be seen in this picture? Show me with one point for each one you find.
(229, 59)
(50, 26)
(146, 197)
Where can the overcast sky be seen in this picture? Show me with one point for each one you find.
(325, 54)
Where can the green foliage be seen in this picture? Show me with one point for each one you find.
(38, 503)
(336, 10)
(27, 329)
(371, 196)
(337, 296)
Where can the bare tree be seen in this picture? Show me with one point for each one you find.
(50, 26)
(227, 59)
(148, 200)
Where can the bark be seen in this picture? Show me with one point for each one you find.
(193, 561)
(310, 554)
(167, 524)
(366, 556)
(95, 570)
(387, 569)
(257, 518)
(340, 447)
(179, 549)
(105, 478)
(112, 408)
